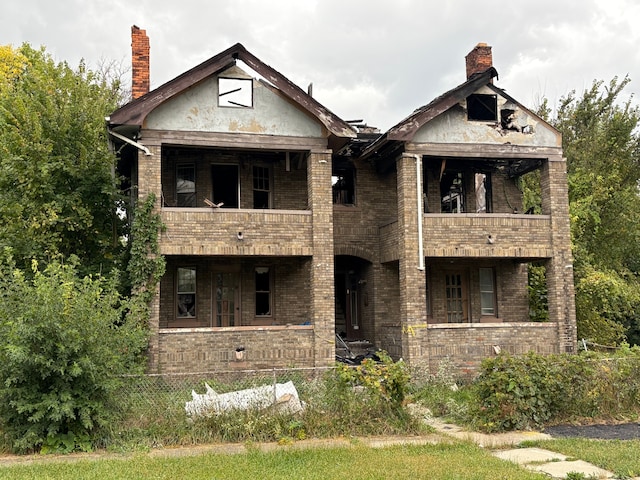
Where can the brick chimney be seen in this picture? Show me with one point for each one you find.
(479, 59)
(139, 62)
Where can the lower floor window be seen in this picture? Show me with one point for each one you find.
(263, 291)
(487, 292)
(186, 292)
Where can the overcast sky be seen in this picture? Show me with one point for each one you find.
(375, 60)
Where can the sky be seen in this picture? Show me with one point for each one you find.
(375, 60)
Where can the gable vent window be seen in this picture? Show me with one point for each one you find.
(235, 92)
(482, 107)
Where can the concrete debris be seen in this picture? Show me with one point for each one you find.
(283, 397)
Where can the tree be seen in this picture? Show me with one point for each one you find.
(65, 338)
(58, 193)
(602, 147)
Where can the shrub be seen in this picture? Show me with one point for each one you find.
(533, 390)
(64, 338)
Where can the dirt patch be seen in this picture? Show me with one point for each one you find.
(623, 431)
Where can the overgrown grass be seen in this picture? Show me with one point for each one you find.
(617, 456)
(333, 407)
(433, 462)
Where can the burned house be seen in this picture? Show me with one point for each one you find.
(286, 225)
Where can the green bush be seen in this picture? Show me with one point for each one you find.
(63, 340)
(527, 392)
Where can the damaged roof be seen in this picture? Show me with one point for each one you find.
(407, 128)
(135, 112)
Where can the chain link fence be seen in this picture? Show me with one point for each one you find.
(156, 397)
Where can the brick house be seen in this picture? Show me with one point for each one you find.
(286, 225)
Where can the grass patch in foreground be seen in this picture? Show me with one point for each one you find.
(617, 456)
(433, 462)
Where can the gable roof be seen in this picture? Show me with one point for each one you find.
(407, 128)
(135, 112)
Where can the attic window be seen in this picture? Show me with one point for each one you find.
(235, 92)
(482, 107)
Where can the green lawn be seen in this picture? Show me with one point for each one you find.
(444, 461)
(617, 456)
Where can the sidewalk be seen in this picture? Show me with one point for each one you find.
(555, 465)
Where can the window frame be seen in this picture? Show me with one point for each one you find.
(487, 293)
(262, 292)
(260, 188)
(478, 109)
(194, 293)
(348, 193)
(236, 89)
(180, 193)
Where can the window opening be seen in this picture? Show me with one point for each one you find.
(186, 185)
(235, 92)
(487, 292)
(482, 107)
(483, 192)
(343, 186)
(263, 291)
(452, 190)
(186, 291)
(261, 187)
(226, 187)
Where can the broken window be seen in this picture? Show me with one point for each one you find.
(186, 185)
(261, 187)
(482, 107)
(263, 291)
(235, 92)
(483, 192)
(487, 292)
(343, 186)
(452, 192)
(186, 292)
(226, 187)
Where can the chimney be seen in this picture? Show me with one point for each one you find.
(479, 59)
(139, 62)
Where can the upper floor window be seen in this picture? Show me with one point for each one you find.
(482, 107)
(235, 92)
(261, 187)
(344, 186)
(186, 185)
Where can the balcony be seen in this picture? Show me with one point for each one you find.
(487, 235)
(230, 232)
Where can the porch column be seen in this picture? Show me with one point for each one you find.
(149, 181)
(561, 295)
(413, 318)
(322, 301)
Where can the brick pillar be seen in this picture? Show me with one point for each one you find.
(413, 316)
(322, 299)
(149, 175)
(561, 295)
(140, 80)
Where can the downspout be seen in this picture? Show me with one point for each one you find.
(419, 210)
(138, 145)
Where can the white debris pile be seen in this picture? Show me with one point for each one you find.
(283, 396)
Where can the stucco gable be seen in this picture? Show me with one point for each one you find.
(513, 124)
(260, 110)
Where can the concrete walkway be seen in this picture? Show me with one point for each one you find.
(553, 464)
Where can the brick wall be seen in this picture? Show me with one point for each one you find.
(465, 346)
(195, 350)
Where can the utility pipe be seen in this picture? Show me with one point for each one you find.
(420, 216)
(138, 145)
